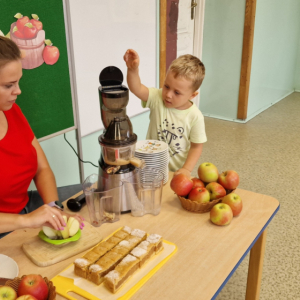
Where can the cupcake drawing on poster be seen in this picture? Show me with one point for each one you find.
(29, 35)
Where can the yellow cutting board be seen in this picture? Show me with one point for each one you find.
(67, 282)
(44, 254)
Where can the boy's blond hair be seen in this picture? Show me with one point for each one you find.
(189, 67)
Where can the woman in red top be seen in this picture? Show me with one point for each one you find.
(21, 156)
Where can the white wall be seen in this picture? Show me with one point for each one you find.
(102, 31)
(275, 62)
(222, 53)
(297, 73)
(63, 160)
(275, 53)
(219, 92)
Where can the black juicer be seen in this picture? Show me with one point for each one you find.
(117, 161)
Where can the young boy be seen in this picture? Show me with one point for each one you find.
(174, 118)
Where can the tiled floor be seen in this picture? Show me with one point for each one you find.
(266, 153)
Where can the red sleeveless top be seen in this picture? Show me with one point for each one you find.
(18, 162)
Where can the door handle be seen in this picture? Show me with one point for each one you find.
(193, 5)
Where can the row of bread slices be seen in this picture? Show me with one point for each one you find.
(117, 258)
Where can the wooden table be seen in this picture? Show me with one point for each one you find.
(207, 254)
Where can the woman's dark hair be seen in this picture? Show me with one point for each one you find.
(9, 51)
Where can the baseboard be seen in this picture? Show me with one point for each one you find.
(252, 115)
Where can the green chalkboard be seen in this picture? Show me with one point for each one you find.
(46, 98)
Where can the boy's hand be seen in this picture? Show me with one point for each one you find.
(183, 171)
(132, 59)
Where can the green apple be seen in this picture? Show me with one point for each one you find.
(208, 172)
(7, 293)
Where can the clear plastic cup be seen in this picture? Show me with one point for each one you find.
(144, 193)
(103, 199)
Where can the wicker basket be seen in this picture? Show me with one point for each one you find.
(14, 283)
(200, 207)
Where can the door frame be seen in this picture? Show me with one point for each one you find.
(198, 38)
(247, 49)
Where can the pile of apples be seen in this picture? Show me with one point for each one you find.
(211, 186)
(70, 230)
(27, 28)
(31, 287)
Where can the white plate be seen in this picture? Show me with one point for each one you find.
(157, 162)
(151, 156)
(164, 153)
(9, 268)
(151, 146)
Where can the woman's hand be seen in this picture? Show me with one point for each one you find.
(132, 59)
(78, 217)
(45, 216)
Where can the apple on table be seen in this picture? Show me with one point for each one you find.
(197, 182)
(229, 179)
(235, 203)
(208, 172)
(26, 297)
(221, 214)
(33, 285)
(199, 194)
(7, 293)
(216, 190)
(181, 184)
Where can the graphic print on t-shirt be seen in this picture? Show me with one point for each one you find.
(171, 136)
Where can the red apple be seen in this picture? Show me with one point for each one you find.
(19, 34)
(208, 172)
(21, 23)
(197, 182)
(26, 297)
(221, 214)
(50, 53)
(7, 293)
(29, 31)
(235, 203)
(216, 190)
(229, 179)
(33, 285)
(36, 23)
(199, 194)
(181, 184)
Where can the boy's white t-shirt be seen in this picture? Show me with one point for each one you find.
(177, 128)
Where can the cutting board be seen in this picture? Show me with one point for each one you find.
(66, 281)
(44, 254)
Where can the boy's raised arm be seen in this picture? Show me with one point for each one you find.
(133, 78)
